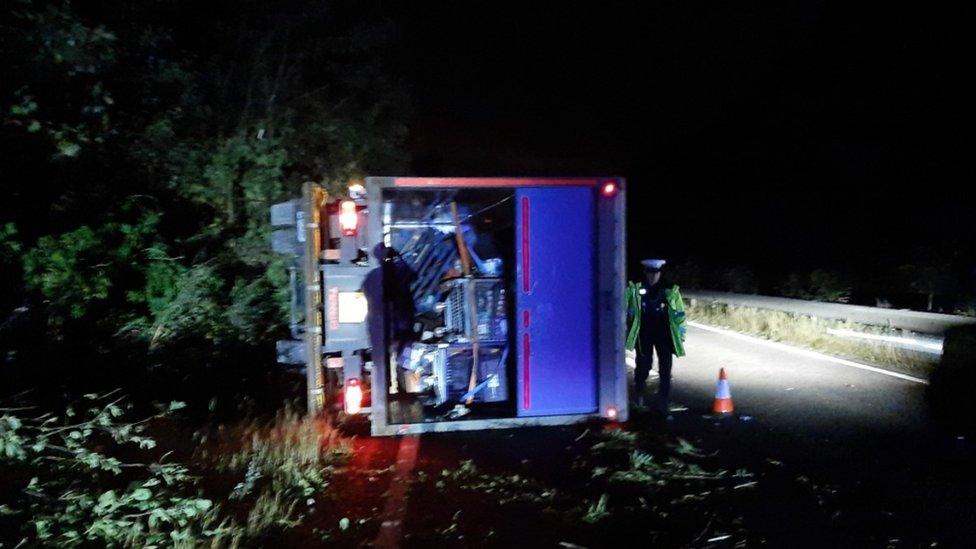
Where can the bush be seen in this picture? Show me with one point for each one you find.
(93, 478)
(740, 280)
(94, 481)
(283, 468)
(819, 285)
(291, 455)
(829, 286)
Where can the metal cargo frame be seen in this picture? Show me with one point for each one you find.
(609, 314)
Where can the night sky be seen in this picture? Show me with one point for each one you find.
(789, 137)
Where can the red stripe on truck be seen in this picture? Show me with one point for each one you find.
(525, 244)
(526, 393)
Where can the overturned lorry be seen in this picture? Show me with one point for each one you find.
(444, 304)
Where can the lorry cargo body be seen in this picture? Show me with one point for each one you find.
(482, 302)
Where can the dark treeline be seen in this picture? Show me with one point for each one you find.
(938, 278)
(143, 143)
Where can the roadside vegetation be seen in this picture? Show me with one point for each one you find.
(95, 477)
(938, 278)
(143, 150)
(811, 333)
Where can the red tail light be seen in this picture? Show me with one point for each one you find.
(612, 412)
(608, 189)
(348, 218)
(353, 396)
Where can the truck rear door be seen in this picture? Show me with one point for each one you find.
(555, 304)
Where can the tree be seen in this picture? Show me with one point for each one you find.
(739, 279)
(828, 286)
(930, 278)
(161, 140)
(818, 285)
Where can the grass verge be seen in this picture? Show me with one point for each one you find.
(812, 333)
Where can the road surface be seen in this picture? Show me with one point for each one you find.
(865, 432)
(859, 440)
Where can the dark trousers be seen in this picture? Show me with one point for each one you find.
(644, 361)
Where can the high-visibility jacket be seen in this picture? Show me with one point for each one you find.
(676, 316)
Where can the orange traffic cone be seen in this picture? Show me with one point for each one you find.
(723, 396)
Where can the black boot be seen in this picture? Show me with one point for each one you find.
(640, 395)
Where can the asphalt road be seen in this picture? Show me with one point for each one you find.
(796, 393)
(858, 440)
(862, 432)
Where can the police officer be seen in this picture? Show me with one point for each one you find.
(655, 336)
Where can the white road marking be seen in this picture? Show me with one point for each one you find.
(808, 353)
(395, 510)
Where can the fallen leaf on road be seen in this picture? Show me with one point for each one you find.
(686, 448)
